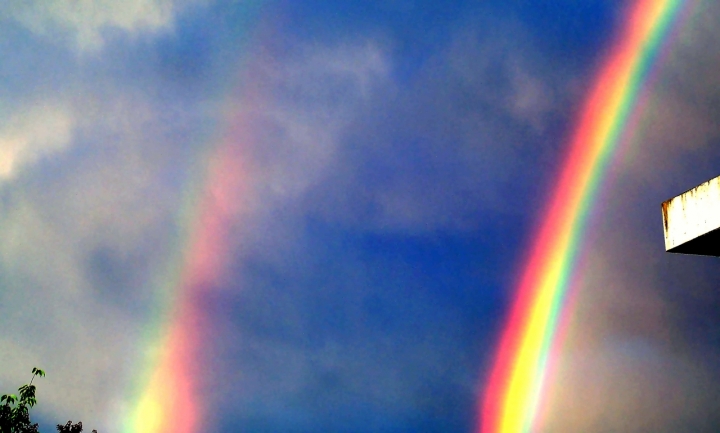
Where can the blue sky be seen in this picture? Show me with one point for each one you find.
(401, 152)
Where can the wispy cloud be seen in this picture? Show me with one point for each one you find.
(83, 237)
(87, 21)
(31, 133)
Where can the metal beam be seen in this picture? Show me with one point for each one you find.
(692, 220)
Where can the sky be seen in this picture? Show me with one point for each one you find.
(352, 188)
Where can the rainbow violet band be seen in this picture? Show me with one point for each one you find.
(532, 333)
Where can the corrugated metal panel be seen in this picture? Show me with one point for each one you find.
(691, 221)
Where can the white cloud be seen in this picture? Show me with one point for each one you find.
(87, 19)
(81, 246)
(32, 133)
(304, 106)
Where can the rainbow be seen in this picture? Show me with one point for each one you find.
(168, 396)
(533, 331)
(169, 399)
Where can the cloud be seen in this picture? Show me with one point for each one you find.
(84, 239)
(31, 133)
(453, 145)
(633, 385)
(349, 142)
(87, 20)
(334, 134)
(293, 111)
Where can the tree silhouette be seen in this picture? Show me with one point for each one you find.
(15, 411)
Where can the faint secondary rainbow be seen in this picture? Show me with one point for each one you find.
(169, 401)
(169, 395)
(532, 333)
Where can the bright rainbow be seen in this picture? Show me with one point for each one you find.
(532, 333)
